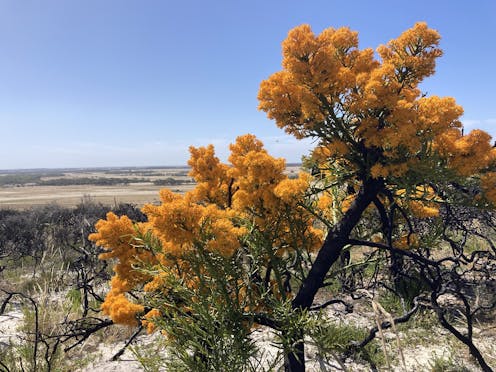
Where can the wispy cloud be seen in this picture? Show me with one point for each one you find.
(488, 125)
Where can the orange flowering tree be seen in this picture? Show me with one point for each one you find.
(401, 153)
(393, 179)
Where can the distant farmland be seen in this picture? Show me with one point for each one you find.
(67, 187)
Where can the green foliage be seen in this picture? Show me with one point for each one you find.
(204, 325)
(334, 337)
(209, 342)
(392, 303)
(446, 364)
(151, 355)
(74, 299)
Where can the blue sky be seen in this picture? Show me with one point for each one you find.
(133, 83)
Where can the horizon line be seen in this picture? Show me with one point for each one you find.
(38, 169)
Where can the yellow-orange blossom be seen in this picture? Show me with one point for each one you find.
(254, 187)
(355, 104)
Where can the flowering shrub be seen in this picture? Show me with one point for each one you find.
(228, 204)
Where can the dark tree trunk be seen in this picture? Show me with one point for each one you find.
(294, 361)
(396, 269)
(327, 256)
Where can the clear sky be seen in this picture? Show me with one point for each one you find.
(133, 83)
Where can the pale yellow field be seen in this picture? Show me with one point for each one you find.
(27, 196)
(139, 193)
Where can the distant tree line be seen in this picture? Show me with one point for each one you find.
(169, 181)
(36, 179)
(103, 181)
(23, 178)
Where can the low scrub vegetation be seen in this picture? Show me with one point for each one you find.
(51, 273)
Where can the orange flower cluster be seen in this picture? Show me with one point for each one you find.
(179, 223)
(406, 242)
(116, 236)
(211, 176)
(468, 154)
(260, 191)
(369, 115)
(147, 321)
(488, 185)
(422, 201)
(253, 188)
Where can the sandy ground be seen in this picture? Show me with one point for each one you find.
(126, 363)
(8, 326)
(417, 357)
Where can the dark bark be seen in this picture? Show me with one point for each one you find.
(330, 252)
(385, 325)
(396, 270)
(128, 342)
(334, 244)
(465, 338)
(295, 361)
